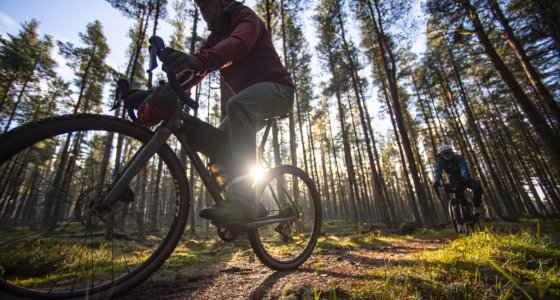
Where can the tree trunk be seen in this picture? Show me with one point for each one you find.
(389, 68)
(502, 193)
(20, 97)
(530, 71)
(154, 32)
(544, 132)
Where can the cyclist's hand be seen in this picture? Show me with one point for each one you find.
(435, 185)
(175, 61)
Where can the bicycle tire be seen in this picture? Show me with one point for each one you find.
(450, 210)
(289, 246)
(97, 255)
(468, 228)
(474, 224)
(477, 227)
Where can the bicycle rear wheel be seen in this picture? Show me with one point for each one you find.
(474, 223)
(287, 192)
(53, 242)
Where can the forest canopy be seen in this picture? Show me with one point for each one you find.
(370, 111)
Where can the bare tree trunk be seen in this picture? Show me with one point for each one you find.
(409, 190)
(143, 27)
(547, 137)
(549, 11)
(154, 31)
(20, 96)
(389, 69)
(530, 71)
(325, 192)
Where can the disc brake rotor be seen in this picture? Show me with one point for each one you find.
(87, 212)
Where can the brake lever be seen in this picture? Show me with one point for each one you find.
(156, 47)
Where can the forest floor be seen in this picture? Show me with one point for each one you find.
(518, 259)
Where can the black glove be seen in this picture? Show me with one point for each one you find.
(175, 61)
(435, 185)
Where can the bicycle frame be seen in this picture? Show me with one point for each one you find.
(169, 127)
(173, 126)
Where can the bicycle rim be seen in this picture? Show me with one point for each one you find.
(287, 191)
(477, 227)
(468, 228)
(53, 244)
(452, 216)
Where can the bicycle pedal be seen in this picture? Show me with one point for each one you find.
(227, 235)
(237, 228)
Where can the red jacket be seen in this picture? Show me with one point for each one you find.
(245, 56)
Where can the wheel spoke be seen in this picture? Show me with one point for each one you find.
(53, 240)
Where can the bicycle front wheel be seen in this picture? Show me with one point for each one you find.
(286, 193)
(54, 243)
(452, 210)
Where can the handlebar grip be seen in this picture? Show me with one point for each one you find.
(174, 84)
(156, 46)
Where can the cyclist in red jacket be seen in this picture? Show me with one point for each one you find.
(240, 47)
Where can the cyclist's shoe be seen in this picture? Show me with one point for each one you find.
(228, 212)
(237, 208)
(477, 211)
(459, 228)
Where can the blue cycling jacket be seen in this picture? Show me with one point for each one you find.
(455, 168)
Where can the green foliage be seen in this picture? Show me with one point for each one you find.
(485, 265)
(89, 66)
(25, 59)
(31, 257)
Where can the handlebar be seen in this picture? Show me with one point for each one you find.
(123, 86)
(156, 46)
(452, 187)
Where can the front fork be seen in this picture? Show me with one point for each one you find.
(138, 161)
(457, 211)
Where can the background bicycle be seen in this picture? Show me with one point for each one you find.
(460, 209)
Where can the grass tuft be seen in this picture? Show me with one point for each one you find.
(514, 264)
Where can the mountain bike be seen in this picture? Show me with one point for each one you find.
(92, 205)
(460, 210)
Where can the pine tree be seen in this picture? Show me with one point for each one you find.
(89, 67)
(24, 60)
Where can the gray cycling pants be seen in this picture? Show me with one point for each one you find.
(247, 112)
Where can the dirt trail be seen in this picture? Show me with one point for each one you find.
(336, 267)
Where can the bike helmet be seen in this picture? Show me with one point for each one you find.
(443, 148)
